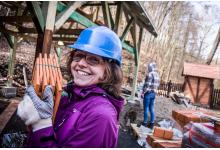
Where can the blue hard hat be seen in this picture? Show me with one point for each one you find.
(100, 40)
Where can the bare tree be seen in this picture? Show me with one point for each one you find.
(214, 48)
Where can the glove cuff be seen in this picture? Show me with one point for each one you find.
(43, 123)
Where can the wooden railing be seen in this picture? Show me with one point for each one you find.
(215, 102)
(166, 87)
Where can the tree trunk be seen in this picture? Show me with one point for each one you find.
(214, 48)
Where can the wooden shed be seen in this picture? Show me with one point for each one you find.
(198, 83)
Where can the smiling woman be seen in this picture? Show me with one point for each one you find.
(88, 114)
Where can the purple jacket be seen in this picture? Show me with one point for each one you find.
(86, 117)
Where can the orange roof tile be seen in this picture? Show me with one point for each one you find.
(201, 70)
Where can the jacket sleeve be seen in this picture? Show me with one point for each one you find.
(41, 138)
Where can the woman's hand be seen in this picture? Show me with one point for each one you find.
(34, 111)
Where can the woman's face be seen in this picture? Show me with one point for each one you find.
(87, 69)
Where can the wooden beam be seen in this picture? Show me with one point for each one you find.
(88, 23)
(124, 34)
(17, 19)
(133, 34)
(51, 15)
(8, 113)
(60, 31)
(76, 16)
(137, 63)
(12, 56)
(118, 17)
(111, 19)
(38, 17)
(16, 4)
(106, 15)
(98, 4)
(49, 27)
(65, 14)
(5, 4)
(44, 9)
(6, 35)
(67, 39)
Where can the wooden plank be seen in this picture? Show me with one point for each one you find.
(47, 41)
(71, 39)
(65, 14)
(6, 35)
(76, 16)
(106, 15)
(12, 56)
(125, 32)
(44, 9)
(6, 115)
(99, 4)
(137, 63)
(38, 18)
(51, 14)
(87, 23)
(17, 19)
(135, 130)
(197, 90)
(118, 17)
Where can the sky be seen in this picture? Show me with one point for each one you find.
(212, 17)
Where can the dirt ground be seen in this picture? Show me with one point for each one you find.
(163, 110)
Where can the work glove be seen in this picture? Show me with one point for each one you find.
(35, 111)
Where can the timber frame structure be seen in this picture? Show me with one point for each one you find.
(50, 21)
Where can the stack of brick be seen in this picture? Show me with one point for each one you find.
(183, 117)
(163, 138)
(156, 142)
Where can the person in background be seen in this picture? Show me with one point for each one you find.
(152, 82)
(88, 114)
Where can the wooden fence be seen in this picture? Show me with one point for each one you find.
(166, 87)
(215, 103)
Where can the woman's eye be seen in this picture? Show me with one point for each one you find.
(78, 57)
(93, 60)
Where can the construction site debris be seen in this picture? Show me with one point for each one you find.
(184, 117)
(13, 140)
(157, 142)
(163, 133)
(180, 98)
(200, 135)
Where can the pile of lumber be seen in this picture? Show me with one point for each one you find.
(47, 72)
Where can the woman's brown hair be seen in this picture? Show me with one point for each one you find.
(113, 76)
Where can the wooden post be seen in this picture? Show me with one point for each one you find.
(211, 97)
(48, 33)
(137, 62)
(118, 16)
(124, 34)
(64, 15)
(12, 57)
(106, 15)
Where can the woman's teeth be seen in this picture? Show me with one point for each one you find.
(82, 73)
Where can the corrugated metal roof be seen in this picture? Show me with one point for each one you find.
(201, 70)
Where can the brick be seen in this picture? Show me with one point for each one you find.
(163, 133)
(156, 142)
(168, 145)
